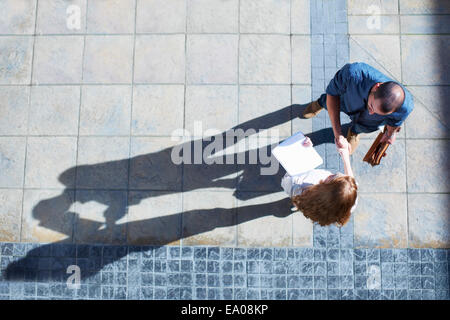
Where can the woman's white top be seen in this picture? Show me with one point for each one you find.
(294, 185)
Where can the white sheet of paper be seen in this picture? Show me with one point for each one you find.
(294, 157)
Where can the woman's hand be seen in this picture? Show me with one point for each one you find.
(307, 142)
(344, 152)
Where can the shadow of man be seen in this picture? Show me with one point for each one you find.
(157, 171)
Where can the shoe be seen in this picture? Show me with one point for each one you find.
(353, 139)
(312, 109)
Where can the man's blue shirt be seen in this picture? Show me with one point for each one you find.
(353, 83)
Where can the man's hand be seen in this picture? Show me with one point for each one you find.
(342, 143)
(390, 134)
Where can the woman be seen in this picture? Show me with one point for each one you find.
(322, 196)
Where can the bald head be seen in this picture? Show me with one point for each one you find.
(391, 96)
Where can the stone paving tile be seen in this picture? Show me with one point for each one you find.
(54, 110)
(418, 62)
(154, 218)
(159, 59)
(102, 56)
(199, 116)
(380, 25)
(301, 95)
(264, 59)
(428, 7)
(300, 18)
(11, 208)
(212, 59)
(58, 59)
(381, 221)
(14, 110)
(100, 217)
(161, 16)
(111, 16)
(426, 24)
(380, 51)
(12, 161)
(265, 220)
(258, 101)
(390, 175)
(264, 16)
(213, 16)
(19, 16)
(209, 217)
(362, 6)
(151, 167)
(428, 207)
(426, 164)
(15, 57)
(301, 57)
(427, 120)
(150, 105)
(47, 158)
(46, 216)
(52, 17)
(105, 110)
(102, 163)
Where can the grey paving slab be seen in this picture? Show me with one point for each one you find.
(61, 17)
(105, 110)
(16, 55)
(301, 57)
(14, 109)
(11, 208)
(218, 228)
(417, 6)
(19, 16)
(264, 59)
(418, 62)
(390, 175)
(47, 158)
(212, 59)
(369, 6)
(46, 216)
(154, 218)
(213, 16)
(430, 208)
(381, 221)
(425, 24)
(258, 101)
(159, 59)
(151, 104)
(382, 24)
(12, 151)
(274, 225)
(428, 120)
(426, 163)
(54, 110)
(102, 55)
(102, 162)
(265, 16)
(151, 166)
(380, 51)
(111, 16)
(58, 59)
(158, 16)
(300, 18)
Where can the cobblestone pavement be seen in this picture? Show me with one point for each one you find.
(94, 98)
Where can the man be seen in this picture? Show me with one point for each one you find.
(369, 98)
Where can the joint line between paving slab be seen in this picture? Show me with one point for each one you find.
(405, 124)
(74, 226)
(28, 125)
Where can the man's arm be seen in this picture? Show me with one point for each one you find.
(333, 104)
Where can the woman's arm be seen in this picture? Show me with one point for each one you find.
(345, 155)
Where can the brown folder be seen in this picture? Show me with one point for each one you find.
(377, 150)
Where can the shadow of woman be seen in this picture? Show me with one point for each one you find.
(156, 171)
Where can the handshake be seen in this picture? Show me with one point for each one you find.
(342, 145)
